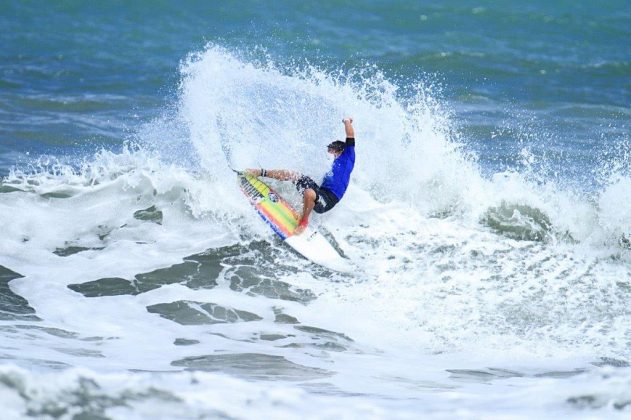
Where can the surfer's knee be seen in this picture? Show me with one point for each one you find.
(309, 194)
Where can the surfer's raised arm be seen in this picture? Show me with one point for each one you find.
(348, 127)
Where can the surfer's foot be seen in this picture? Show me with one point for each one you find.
(301, 227)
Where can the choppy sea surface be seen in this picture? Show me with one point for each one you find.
(488, 216)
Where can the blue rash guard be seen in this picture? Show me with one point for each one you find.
(336, 180)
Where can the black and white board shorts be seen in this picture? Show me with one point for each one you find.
(325, 199)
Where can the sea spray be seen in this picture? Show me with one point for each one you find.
(251, 112)
(443, 301)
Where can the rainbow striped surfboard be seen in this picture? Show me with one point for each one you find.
(276, 212)
(283, 219)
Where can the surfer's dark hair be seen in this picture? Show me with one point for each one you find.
(337, 145)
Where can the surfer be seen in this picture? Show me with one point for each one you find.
(321, 198)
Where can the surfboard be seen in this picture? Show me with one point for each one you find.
(283, 219)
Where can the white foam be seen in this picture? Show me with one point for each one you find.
(199, 394)
(433, 294)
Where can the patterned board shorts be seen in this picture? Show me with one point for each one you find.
(325, 199)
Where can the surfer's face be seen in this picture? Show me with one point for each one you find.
(333, 152)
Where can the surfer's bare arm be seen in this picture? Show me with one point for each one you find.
(348, 127)
(280, 174)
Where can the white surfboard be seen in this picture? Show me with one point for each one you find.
(316, 248)
(283, 220)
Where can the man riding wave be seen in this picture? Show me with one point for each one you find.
(321, 198)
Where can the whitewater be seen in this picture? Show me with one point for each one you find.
(140, 284)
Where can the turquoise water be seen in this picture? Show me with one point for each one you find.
(77, 74)
(487, 217)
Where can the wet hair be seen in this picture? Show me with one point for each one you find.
(337, 145)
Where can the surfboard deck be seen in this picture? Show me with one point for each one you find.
(283, 219)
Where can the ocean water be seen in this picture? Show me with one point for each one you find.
(488, 215)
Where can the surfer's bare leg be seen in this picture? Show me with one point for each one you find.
(308, 201)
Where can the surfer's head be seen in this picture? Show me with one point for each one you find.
(336, 147)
